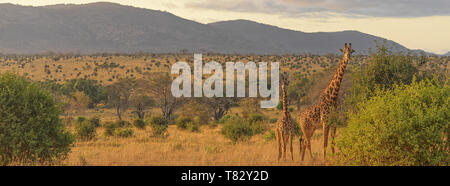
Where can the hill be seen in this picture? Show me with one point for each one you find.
(109, 27)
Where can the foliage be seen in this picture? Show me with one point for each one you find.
(273, 120)
(237, 129)
(253, 118)
(95, 121)
(384, 69)
(31, 130)
(123, 132)
(139, 123)
(298, 89)
(225, 118)
(80, 119)
(192, 127)
(197, 110)
(122, 123)
(159, 86)
(219, 106)
(159, 125)
(119, 128)
(109, 128)
(84, 130)
(182, 122)
(407, 125)
(119, 95)
(96, 92)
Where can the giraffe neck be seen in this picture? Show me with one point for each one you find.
(283, 87)
(330, 93)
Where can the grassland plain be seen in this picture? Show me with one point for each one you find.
(206, 147)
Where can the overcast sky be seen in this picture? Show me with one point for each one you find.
(416, 24)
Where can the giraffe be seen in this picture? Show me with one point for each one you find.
(315, 116)
(285, 125)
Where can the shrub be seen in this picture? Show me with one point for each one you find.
(122, 123)
(139, 123)
(109, 128)
(237, 129)
(182, 122)
(84, 130)
(256, 122)
(225, 118)
(273, 120)
(383, 70)
(159, 126)
(192, 127)
(95, 121)
(253, 118)
(31, 130)
(80, 119)
(123, 132)
(407, 125)
(291, 109)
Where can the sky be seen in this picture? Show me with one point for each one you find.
(416, 24)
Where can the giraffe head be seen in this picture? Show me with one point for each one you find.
(347, 50)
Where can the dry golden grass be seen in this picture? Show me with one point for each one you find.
(205, 148)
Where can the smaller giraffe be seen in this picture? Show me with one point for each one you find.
(285, 125)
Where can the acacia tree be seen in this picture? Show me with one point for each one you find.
(219, 106)
(119, 95)
(140, 102)
(158, 85)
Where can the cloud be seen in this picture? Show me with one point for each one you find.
(327, 8)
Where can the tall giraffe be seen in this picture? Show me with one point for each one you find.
(316, 116)
(285, 125)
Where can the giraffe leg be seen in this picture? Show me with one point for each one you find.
(326, 130)
(290, 142)
(308, 144)
(285, 140)
(333, 136)
(300, 145)
(303, 151)
(278, 135)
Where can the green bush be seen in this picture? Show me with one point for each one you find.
(225, 118)
(256, 122)
(80, 119)
(291, 109)
(85, 130)
(407, 125)
(123, 123)
(139, 123)
(237, 129)
(31, 131)
(159, 126)
(110, 127)
(192, 127)
(95, 121)
(182, 122)
(273, 120)
(253, 118)
(384, 69)
(123, 132)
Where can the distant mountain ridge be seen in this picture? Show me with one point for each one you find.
(109, 27)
